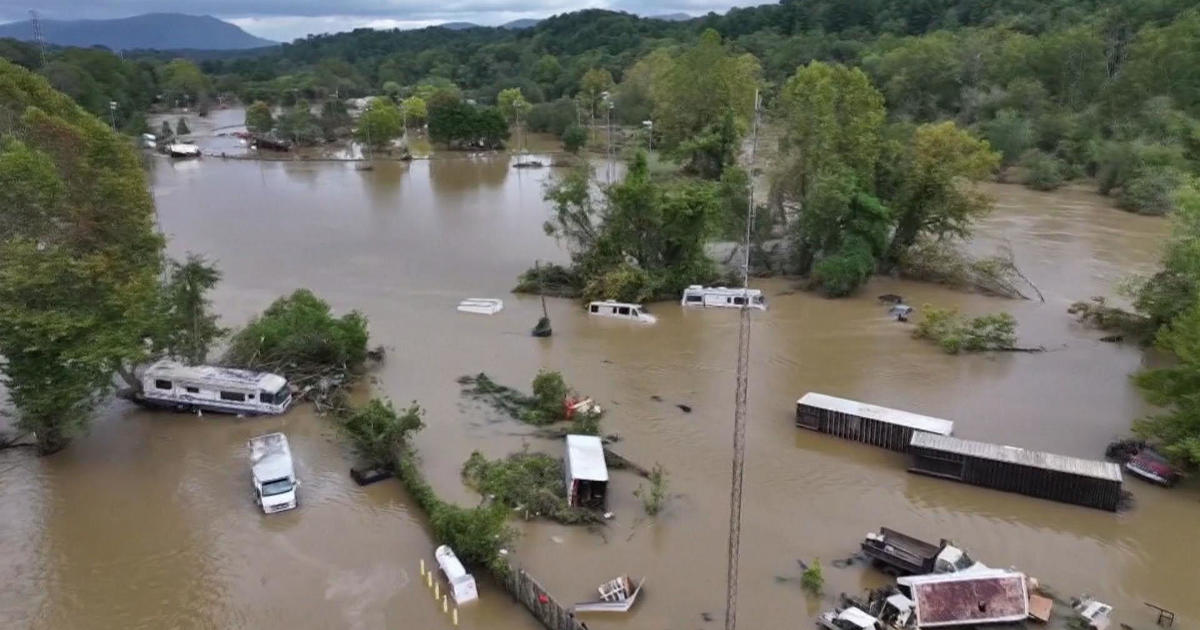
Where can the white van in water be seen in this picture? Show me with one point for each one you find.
(462, 584)
(621, 310)
(272, 473)
(211, 388)
(697, 295)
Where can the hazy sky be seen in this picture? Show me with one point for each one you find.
(285, 20)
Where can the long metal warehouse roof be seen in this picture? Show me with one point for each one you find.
(875, 412)
(1015, 455)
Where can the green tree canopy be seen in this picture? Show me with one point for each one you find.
(259, 118)
(79, 258)
(380, 123)
(415, 111)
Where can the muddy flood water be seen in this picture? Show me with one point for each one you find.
(147, 522)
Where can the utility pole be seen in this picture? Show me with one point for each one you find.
(112, 113)
(37, 33)
(741, 401)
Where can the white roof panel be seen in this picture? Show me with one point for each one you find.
(585, 458)
(875, 412)
(857, 617)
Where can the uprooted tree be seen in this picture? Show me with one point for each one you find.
(298, 336)
(376, 430)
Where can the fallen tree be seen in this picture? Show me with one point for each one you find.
(529, 483)
(298, 336)
(945, 263)
(549, 403)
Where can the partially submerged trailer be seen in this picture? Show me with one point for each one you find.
(862, 422)
(212, 388)
(973, 598)
(1046, 475)
(587, 474)
(723, 297)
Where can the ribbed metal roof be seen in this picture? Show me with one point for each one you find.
(1016, 455)
(875, 412)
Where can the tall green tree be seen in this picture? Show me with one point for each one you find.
(188, 325)
(415, 111)
(706, 86)
(298, 124)
(380, 123)
(184, 83)
(79, 258)
(513, 107)
(1173, 388)
(934, 193)
(259, 118)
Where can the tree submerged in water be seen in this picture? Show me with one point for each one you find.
(641, 239)
(655, 496)
(955, 333)
(531, 483)
(376, 430)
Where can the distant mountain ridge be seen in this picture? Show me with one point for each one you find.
(513, 25)
(158, 31)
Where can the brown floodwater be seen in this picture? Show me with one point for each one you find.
(147, 521)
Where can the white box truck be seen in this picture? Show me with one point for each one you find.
(272, 473)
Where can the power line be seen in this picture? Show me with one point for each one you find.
(741, 397)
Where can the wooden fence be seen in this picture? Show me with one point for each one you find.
(525, 589)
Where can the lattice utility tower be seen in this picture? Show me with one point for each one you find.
(37, 33)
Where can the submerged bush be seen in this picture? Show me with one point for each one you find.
(954, 333)
(841, 274)
(813, 580)
(375, 431)
(1151, 191)
(655, 496)
(1042, 171)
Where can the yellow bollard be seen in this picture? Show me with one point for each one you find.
(429, 579)
(455, 616)
(436, 590)
(422, 566)
(445, 605)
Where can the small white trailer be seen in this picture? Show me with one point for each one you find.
(587, 472)
(272, 473)
(723, 297)
(210, 388)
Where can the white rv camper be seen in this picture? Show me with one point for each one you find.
(723, 297)
(621, 310)
(209, 388)
(272, 472)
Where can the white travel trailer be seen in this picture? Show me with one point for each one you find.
(462, 584)
(210, 388)
(621, 310)
(723, 297)
(272, 472)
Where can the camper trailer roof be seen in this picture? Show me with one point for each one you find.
(875, 412)
(585, 458)
(695, 288)
(218, 376)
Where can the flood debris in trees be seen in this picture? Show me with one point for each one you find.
(299, 337)
(1096, 313)
(943, 262)
(529, 483)
(552, 401)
